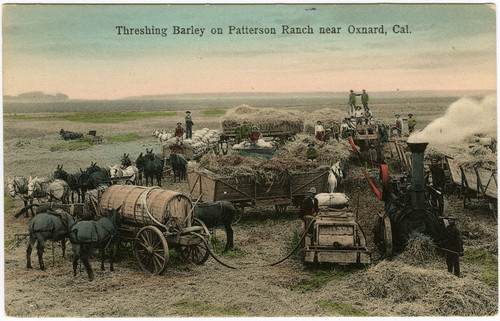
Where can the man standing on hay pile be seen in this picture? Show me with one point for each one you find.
(189, 125)
(453, 246)
(311, 153)
(319, 131)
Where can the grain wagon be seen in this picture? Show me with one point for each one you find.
(154, 220)
(283, 190)
(334, 236)
(477, 179)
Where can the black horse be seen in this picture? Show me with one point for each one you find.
(93, 177)
(218, 214)
(88, 235)
(153, 167)
(50, 223)
(125, 161)
(140, 163)
(72, 180)
(179, 166)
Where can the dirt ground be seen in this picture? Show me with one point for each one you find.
(254, 288)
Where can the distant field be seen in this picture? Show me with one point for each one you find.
(96, 118)
(306, 101)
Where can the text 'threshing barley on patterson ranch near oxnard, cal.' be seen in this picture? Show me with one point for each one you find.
(396, 29)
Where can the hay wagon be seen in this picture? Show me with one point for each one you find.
(154, 220)
(282, 191)
(334, 236)
(281, 130)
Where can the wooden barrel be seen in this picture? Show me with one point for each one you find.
(169, 208)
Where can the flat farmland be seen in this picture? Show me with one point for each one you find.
(254, 289)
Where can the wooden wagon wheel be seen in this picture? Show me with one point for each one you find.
(196, 253)
(151, 250)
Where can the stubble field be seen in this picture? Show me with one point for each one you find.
(389, 288)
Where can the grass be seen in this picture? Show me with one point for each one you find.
(219, 247)
(123, 138)
(489, 262)
(342, 309)
(10, 241)
(321, 276)
(212, 112)
(76, 145)
(8, 202)
(195, 308)
(96, 118)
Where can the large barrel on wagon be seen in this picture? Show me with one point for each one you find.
(143, 206)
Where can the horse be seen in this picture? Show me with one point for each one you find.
(43, 188)
(153, 167)
(18, 186)
(125, 161)
(88, 235)
(72, 180)
(179, 165)
(335, 177)
(140, 162)
(132, 171)
(50, 223)
(218, 214)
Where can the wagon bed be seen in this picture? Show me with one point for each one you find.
(287, 189)
(479, 179)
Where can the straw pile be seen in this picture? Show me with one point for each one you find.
(418, 251)
(431, 291)
(259, 169)
(266, 119)
(328, 152)
(327, 116)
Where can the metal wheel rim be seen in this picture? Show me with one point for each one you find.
(151, 250)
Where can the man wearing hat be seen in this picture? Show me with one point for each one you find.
(179, 131)
(359, 115)
(309, 205)
(311, 153)
(364, 99)
(411, 123)
(189, 125)
(319, 131)
(399, 124)
(352, 103)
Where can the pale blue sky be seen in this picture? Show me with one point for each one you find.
(75, 49)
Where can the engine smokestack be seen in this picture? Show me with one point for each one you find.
(417, 176)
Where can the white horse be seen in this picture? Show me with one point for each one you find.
(132, 171)
(43, 188)
(18, 186)
(334, 177)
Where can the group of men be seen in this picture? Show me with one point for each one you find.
(179, 131)
(412, 122)
(247, 132)
(362, 115)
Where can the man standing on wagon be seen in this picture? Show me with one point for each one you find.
(364, 99)
(179, 132)
(189, 125)
(352, 103)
